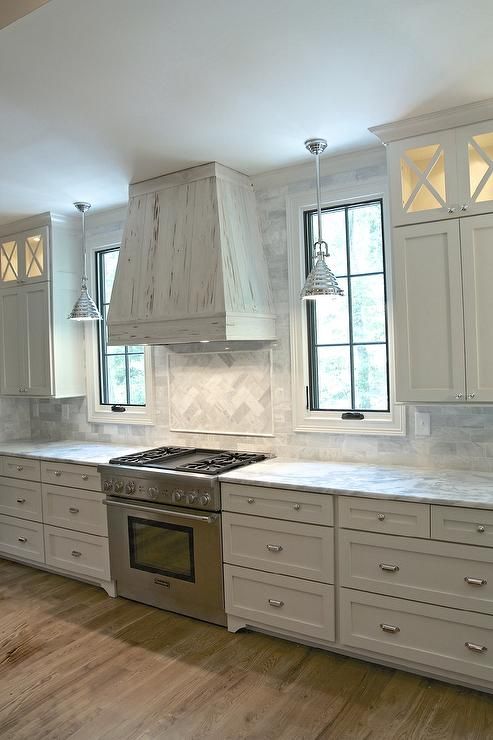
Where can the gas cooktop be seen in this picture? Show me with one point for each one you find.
(189, 460)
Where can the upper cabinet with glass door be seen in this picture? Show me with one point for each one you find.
(423, 175)
(24, 258)
(475, 168)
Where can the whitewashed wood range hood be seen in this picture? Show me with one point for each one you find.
(191, 265)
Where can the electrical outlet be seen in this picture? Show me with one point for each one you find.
(422, 425)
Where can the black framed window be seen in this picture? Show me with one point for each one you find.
(121, 369)
(348, 336)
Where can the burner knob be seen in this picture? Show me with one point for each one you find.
(178, 495)
(192, 497)
(118, 486)
(108, 485)
(204, 499)
(153, 491)
(130, 488)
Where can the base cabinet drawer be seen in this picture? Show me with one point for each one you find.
(70, 474)
(296, 506)
(432, 636)
(20, 467)
(22, 539)
(460, 524)
(289, 548)
(82, 511)
(292, 604)
(21, 498)
(80, 553)
(379, 515)
(458, 576)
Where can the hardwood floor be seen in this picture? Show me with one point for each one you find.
(77, 664)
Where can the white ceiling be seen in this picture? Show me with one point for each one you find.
(96, 94)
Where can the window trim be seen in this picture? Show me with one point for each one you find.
(96, 411)
(392, 422)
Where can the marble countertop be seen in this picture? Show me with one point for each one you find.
(70, 450)
(455, 488)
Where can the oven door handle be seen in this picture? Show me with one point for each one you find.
(166, 512)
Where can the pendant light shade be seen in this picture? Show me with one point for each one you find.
(321, 281)
(84, 309)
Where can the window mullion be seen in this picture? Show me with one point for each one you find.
(350, 308)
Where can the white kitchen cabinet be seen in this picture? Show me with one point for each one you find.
(24, 257)
(41, 351)
(445, 174)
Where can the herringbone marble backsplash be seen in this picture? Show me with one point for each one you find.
(221, 400)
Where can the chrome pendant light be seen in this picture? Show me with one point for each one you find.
(84, 309)
(321, 281)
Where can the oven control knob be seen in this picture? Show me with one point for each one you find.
(178, 495)
(108, 485)
(153, 491)
(192, 497)
(204, 499)
(130, 487)
(118, 486)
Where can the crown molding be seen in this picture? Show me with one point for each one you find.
(346, 162)
(461, 115)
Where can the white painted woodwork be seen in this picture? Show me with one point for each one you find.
(71, 474)
(191, 265)
(427, 571)
(41, 352)
(21, 498)
(289, 548)
(428, 316)
(477, 270)
(277, 503)
(460, 524)
(423, 177)
(77, 552)
(388, 517)
(24, 468)
(432, 636)
(75, 509)
(304, 607)
(21, 538)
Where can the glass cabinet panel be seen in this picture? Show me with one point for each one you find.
(480, 160)
(423, 178)
(34, 256)
(9, 261)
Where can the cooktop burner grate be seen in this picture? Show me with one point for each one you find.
(220, 463)
(150, 456)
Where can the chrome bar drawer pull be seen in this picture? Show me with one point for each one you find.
(276, 603)
(476, 648)
(381, 517)
(274, 548)
(297, 507)
(22, 539)
(390, 628)
(250, 500)
(85, 476)
(476, 581)
(58, 473)
(388, 567)
(76, 554)
(481, 528)
(161, 582)
(73, 510)
(21, 500)
(20, 467)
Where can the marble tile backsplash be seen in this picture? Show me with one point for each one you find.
(461, 436)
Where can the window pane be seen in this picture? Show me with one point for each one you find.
(334, 377)
(368, 304)
(365, 238)
(136, 349)
(334, 233)
(116, 379)
(333, 318)
(136, 375)
(110, 260)
(370, 377)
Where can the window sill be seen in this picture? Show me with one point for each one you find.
(389, 424)
(100, 416)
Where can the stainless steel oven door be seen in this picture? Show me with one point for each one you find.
(167, 557)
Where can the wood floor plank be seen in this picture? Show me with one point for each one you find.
(75, 664)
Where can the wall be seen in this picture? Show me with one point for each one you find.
(15, 416)
(249, 391)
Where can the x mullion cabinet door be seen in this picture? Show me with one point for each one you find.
(475, 168)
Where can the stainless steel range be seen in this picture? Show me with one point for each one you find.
(164, 518)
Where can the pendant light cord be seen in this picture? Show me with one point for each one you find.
(84, 255)
(319, 207)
